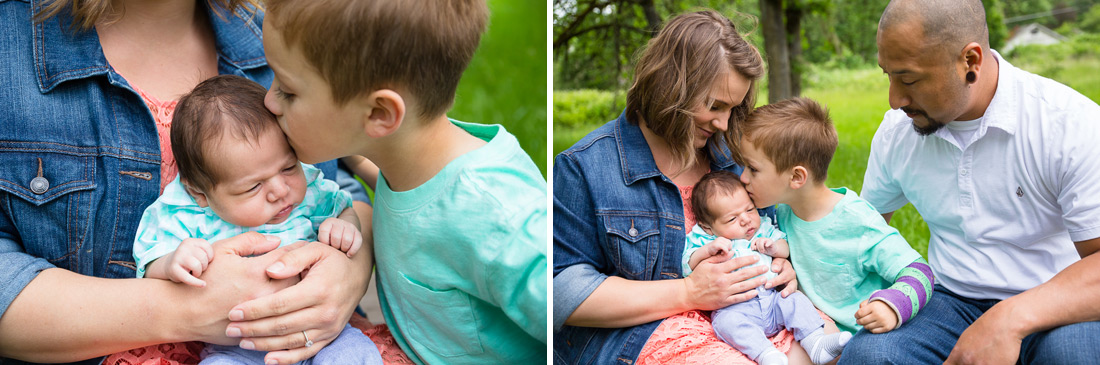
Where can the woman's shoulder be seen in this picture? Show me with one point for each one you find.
(596, 141)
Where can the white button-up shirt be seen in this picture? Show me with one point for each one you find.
(1005, 210)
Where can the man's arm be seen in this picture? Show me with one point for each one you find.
(1069, 297)
(887, 216)
(62, 316)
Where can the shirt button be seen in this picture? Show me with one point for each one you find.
(632, 232)
(963, 172)
(39, 185)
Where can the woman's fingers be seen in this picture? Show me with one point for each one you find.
(295, 354)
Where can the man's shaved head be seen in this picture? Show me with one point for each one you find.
(948, 25)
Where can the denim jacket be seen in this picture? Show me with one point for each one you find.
(615, 214)
(79, 152)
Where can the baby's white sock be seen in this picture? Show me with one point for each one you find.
(772, 356)
(824, 348)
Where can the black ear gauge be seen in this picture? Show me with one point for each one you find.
(971, 77)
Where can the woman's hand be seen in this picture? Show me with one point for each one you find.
(236, 273)
(331, 287)
(715, 283)
(784, 276)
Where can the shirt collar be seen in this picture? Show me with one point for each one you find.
(637, 159)
(63, 53)
(1001, 113)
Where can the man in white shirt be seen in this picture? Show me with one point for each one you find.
(1004, 166)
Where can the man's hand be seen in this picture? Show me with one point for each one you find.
(340, 234)
(876, 317)
(989, 340)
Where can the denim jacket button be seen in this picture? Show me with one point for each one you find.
(39, 185)
(632, 232)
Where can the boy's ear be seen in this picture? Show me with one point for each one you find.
(385, 111)
(799, 177)
(199, 196)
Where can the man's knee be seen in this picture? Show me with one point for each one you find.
(868, 348)
(1071, 344)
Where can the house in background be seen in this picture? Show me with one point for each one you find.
(1033, 33)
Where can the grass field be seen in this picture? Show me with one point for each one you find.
(506, 81)
(857, 100)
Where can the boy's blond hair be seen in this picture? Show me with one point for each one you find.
(416, 47)
(792, 132)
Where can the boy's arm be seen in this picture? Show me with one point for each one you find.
(363, 168)
(910, 291)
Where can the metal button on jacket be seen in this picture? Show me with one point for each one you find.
(39, 185)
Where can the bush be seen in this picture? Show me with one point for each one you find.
(576, 108)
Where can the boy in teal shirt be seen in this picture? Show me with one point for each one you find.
(460, 210)
(850, 263)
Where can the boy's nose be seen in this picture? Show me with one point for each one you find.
(271, 104)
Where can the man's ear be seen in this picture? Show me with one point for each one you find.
(972, 57)
(199, 196)
(799, 176)
(384, 111)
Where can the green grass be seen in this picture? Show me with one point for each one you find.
(506, 80)
(857, 100)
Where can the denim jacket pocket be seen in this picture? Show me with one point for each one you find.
(48, 195)
(633, 243)
(441, 320)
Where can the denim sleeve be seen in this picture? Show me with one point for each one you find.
(17, 268)
(577, 256)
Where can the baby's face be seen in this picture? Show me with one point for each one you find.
(737, 217)
(261, 180)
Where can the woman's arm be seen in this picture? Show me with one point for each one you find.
(62, 316)
(713, 284)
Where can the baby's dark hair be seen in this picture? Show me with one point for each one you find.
(713, 183)
(220, 103)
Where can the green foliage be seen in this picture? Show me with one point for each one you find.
(596, 41)
(1090, 22)
(995, 21)
(506, 80)
(1073, 62)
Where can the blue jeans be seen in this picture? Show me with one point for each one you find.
(929, 337)
(351, 347)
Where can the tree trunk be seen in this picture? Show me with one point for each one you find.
(794, 47)
(775, 46)
(652, 19)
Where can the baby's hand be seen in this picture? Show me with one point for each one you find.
(340, 234)
(876, 316)
(763, 245)
(188, 261)
(721, 247)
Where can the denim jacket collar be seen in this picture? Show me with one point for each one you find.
(62, 53)
(637, 159)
